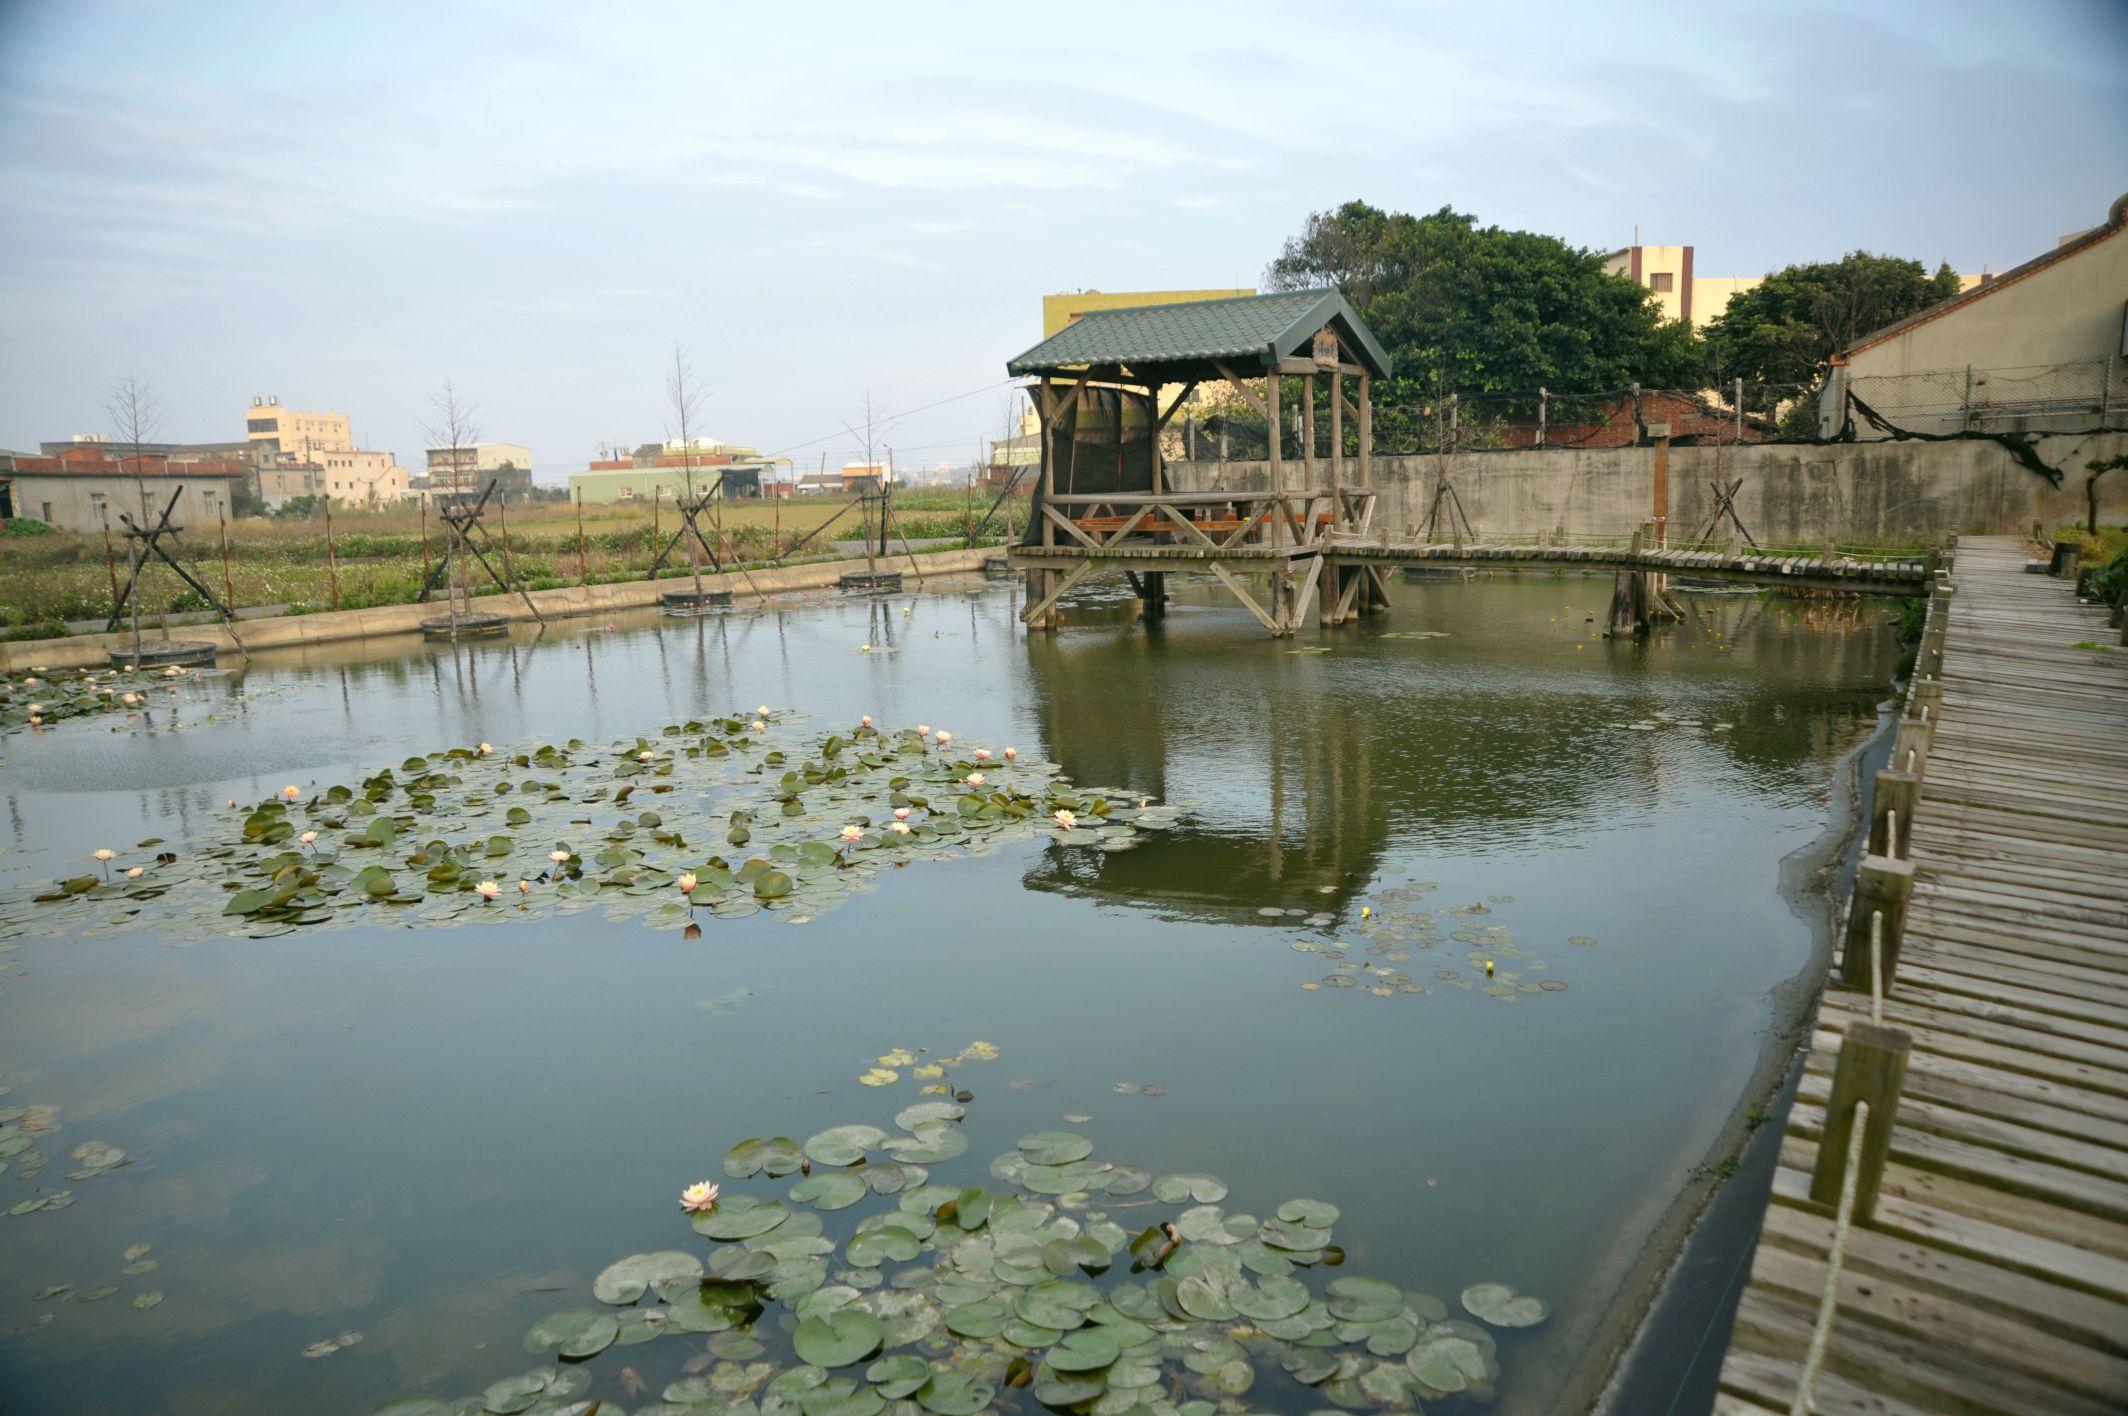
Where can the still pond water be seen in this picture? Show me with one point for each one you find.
(435, 1137)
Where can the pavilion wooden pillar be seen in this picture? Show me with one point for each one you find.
(1281, 570)
(1038, 579)
(1153, 597)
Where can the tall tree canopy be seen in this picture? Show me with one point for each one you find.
(1476, 309)
(1788, 327)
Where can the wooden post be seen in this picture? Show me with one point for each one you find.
(1367, 432)
(1307, 434)
(1891, 812)
(1883, 886)
(1910, 749)
(1662, 489)
(228, 581)
(423, 504)
(1154, 424)
(582, 580)
(1871, 1069)
(502, 516)
(1337, 451)
(1281, 571)
(110, 560)
(332, 556)
(657, 495)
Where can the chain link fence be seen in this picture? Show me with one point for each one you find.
(2084, 396)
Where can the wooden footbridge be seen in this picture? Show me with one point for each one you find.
(1948, 1227)
(1102, 504)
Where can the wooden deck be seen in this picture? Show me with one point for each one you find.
(1993, 1274)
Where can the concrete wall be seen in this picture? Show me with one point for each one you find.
(1853, 492)
(287, 631)
(71, 503)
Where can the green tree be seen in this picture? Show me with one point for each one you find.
(1787, 328)
(1476, 309)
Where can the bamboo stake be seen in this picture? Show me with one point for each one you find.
(228, 581)
(110, 561)
(332, 556)
(502, 512)
(582, 581)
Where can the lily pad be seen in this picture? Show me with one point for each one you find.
(844, 1145)
(741, 1217)
(899, 1375)
(624, 1281)
(776, 1156)
(837, 1339)
(576, 1334)
(832, 1190)
(1187, 1188)
(954, 1393)
(1502, 1306)
(1055, 1147)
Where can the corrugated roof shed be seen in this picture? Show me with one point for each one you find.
(1251, 333)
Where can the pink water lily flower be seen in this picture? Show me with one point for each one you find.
(488, 889)
(643, 756)
(923, 730)
(853, 833)
(899, 828)
(944, 737)
(135, 873)
(901, 813)
(758, 726)
(1011, 753)
(982, 754)
(699, 1198)
(1067, 819)
(975, 779)
(558, 857)
(865, 721)
(485, 749)
(308, 838)
(524, 887)
(762, 711)
(686, 881)
(291, 792)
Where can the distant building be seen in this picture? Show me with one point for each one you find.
(300, 453)
(1060, 310)
(815, 484)
(1681, 293)
(2041, 347)
(295, 433)
(665, 470)
(88, 486)
(468, 468)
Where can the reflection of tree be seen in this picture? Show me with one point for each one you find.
(1304, 772)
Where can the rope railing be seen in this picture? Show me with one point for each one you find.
(1829, 1295)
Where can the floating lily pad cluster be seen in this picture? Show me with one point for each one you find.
(41, 699)
(1396, 926)
(759, 819)
(924, 1066)
(945, 1299)
(25, 1134)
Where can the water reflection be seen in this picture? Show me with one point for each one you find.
(1507, 733)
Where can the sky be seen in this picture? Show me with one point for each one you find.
(346, 205)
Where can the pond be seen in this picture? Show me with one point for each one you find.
(361, 1160)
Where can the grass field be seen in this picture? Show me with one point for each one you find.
(378, 557)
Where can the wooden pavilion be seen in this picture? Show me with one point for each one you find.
(1103, 501)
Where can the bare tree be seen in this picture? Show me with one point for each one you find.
(684, 398)
(451, 426)
(137, 419)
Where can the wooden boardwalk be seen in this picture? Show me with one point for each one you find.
(1992, 1274)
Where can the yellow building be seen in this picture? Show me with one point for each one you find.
(1684, 294)
(1060, 310)
(295, 433)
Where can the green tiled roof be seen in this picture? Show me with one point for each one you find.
(1251, 333)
